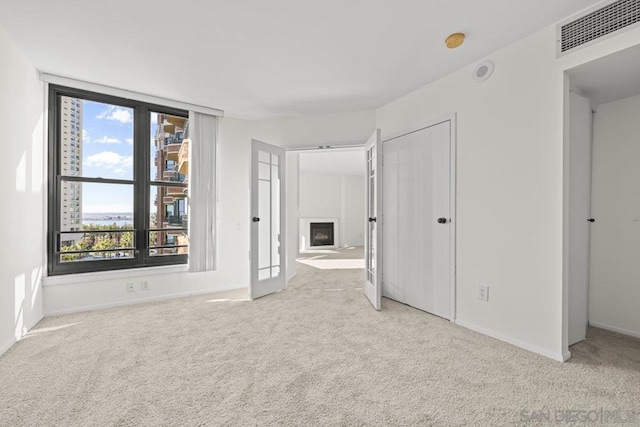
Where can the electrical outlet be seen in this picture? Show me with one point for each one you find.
(483, 293)
(131, 287)
(144, 285)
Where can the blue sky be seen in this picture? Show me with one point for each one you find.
(107, 152)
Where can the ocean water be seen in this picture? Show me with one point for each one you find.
(108, 218)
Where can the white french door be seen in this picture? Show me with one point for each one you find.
(268, 273)
(373, 220)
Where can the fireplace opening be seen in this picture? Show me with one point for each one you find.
(321, 234)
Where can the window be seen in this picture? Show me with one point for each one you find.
(128, 185)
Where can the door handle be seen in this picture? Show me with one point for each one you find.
(256, 219)
(591, 220)
(442, 220)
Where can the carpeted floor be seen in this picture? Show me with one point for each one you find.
(315, 354)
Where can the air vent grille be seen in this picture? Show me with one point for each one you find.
(601, 22)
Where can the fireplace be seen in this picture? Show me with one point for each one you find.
(321, 233)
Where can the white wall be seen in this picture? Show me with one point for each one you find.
(333, 197)
(510, 143)
(615, 238)
(21, 268)
(325, 129)
(73, 293)
(319, 195)
(352, 212)
(291, 214)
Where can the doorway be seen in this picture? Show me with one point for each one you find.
(601, 203)
(331, 199)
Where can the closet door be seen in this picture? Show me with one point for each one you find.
(418, 220)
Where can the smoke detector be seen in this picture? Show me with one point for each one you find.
(483, 71)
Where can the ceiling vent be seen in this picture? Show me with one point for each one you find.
(596, 24)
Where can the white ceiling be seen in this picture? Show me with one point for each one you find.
(262, 59)
(609, 78)
(333, 162)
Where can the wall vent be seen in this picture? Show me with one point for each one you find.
(597, 24)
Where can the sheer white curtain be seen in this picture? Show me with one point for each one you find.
(203, 130)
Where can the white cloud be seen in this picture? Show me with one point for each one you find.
(85, 136)
(111, 161)
(119, 114)
(129, 141)
(106, 140)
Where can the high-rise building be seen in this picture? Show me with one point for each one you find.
(171, 163)
(71, 161)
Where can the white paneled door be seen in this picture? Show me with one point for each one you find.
(418, 214)
(373, 221)
(267, 220)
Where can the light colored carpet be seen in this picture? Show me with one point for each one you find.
(315, 354)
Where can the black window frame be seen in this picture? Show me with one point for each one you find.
(141, 182)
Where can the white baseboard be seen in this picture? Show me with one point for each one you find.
(555, 356)
(138, 301)
(566, 355)
(6, 346)
(615, 329)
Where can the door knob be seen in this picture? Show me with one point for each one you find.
(442, 220)
(256, 219)
(372, 219)
(591, 220)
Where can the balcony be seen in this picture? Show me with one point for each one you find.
(177, 192)
(172, 151)
(183, 157)
(177, 121)
(170, 175)
(174, 221)
(183, 240)
(174, 139)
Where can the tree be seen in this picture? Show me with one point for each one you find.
(107, 238)
(104, 244)
(69, 257)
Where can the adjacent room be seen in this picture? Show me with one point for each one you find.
(331, 199)
(602, 207)
(336, 213)
(331, 207)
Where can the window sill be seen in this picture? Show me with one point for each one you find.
(72, 279)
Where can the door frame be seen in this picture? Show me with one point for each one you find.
(452, 119)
